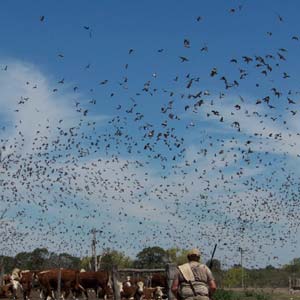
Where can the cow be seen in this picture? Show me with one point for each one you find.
(48, 281)
(98, 281)
(12, 282)
(158, 293)
(131, 289)
(27, 280)
(157, 279)
(150, 293)
(6, 291)
(159, 282)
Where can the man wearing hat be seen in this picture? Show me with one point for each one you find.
(193, 281)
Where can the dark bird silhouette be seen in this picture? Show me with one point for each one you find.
(183, 58)
(186, 43)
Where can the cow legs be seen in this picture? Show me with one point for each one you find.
(65, 294)
(26, 294)
(78, 291)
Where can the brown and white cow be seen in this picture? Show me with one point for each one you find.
(158, 282)
(158, 279)
(6, 291)
(150, 293)
(48, 281)
(98, 281)
(131, 289)
(27, 280)
(11, 281)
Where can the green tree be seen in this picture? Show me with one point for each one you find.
(114, 257)
(23, 260)
(53, 261)
(216, 265)
(176, 255)
(151, 257)
(85, 263)
(8, 263)
(233, 277)
(68, 261)
(39, 258)
(293, 266)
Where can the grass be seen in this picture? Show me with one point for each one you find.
(253, 295)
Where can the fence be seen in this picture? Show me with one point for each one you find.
(169, 271)
(1, 272)
(294, 283)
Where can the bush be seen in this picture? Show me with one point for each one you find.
(224, 295)
(249, 293)
(262, 297)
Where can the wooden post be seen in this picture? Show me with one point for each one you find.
(170, 271)
(94, 250)
(59, 284)
(1, 271)
(116, 288)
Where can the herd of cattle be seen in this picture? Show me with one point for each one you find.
(80, 284)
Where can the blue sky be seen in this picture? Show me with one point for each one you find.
(218, 184)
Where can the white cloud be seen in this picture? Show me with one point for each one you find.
(115, 188)
(29, 105)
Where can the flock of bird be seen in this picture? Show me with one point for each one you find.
(174, 166)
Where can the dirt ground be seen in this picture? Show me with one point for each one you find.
(35, 295)
(250, 294)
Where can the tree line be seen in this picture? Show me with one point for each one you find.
(41, 259)
(151, 258)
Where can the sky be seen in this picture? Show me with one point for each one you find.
(162, 123)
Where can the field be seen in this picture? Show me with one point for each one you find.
(257, 294)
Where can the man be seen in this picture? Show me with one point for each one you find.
(193, 281)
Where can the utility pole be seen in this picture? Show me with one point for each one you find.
(94, 251)
(243, 284)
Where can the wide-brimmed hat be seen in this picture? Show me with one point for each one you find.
(193, 251)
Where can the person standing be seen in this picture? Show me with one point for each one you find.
(193, 281)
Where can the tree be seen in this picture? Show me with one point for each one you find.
(114, 257)
(8, 263)
(53, 261)
(151, 257)
(216, 265)
(293, 266)
(85, 263)
(233, 277)
(39, 258)
(68, 261)
(270, 267)
(23, 260)
(177, 256)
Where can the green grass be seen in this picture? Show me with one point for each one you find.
(252, 295)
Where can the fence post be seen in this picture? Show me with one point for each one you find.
(170, 271)
(116, 288)
(1, 271)
(59, 284)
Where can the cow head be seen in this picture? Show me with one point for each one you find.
(6, 279)
(158, 293)
(140, 287)
(6, 291)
